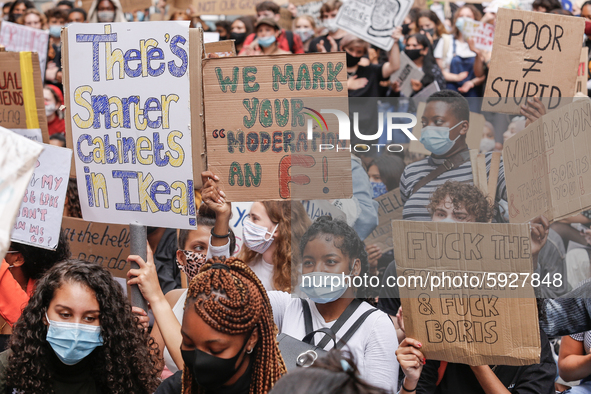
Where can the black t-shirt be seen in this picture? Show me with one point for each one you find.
(316, 41)
(168, 271)
(389, 300)
(459, 378)
(374, 76)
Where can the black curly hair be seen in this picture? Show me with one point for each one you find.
(38, 260)
(126, 363)
(335, 373)
(344, 238)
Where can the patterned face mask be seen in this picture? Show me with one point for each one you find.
(194, 261)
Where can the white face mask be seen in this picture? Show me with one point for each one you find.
(487, 145)
(305, 34)
(324, 287)
(255, 236)
(331, 24)
(49, 109)
(106, 16)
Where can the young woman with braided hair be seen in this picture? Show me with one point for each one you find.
(229, 341)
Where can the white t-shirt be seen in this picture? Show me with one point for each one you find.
(178, 310)
(264, 271)
(373, 345)
(462, 50)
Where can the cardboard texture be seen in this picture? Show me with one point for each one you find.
(224, 7)
(286, 19)
(475, 321)
(19, 38)
(135, 5)
(104, 244)
(473, 136)
(373, 20)
(407, 71)
(256, 145)
(482, 33)
(84, 4)
(390, 209)
(534, 55)
(583, 72)
(317, 208)
(40, 214)
(225, 48)
(130, 122)
(197, 122)
(20, 97)
(547, 165)
(18, 157)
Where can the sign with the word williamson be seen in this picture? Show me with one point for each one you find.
(258, 117)
(547, 165)
(475, 304)
(130, 119)
(534, 55)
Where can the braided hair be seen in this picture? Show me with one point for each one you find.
(242, 307)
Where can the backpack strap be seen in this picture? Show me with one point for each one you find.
(347, 313)
(289, 37)
(453, 162)
(354, 328)
(309, 327)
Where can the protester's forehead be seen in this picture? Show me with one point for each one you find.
(439, 108)
(327, 239)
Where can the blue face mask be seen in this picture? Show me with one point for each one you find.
(378, 189)
(55, 31)
(71, 342)
(317, 286)
(436, 139)
(266, 42)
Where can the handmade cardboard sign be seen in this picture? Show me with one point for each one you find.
(473, 136)
(129, 117)
(317, 208)
(482, 33)
(17, 162)
(40, 214)
(534, 55)
(466, 291)
(256, 130)
(373, 20)
(425, 93)
(583, 72)
(390, 209)
(311, 8)
(225, 48)
(104, 244)
(19, 38)
(135, 5)
(547, 165)
(22, 107)
(407, 71)
(225, 7)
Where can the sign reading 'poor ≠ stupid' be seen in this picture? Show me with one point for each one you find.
(129, 111)
(266, 136)
(534, 55)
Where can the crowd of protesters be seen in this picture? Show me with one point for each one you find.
(67, 327)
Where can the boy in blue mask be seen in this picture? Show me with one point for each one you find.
(445, 125)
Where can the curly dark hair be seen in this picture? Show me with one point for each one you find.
(458, 103)
(463, 194)
(38, 260)
(126, 363)
(335, 373)
(344, 238)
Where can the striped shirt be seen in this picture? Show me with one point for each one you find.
(415, 205)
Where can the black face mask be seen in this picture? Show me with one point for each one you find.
(413, 54)
(405, 29)
(239, 37)
(352, 60)
(209, 371)
(430, 31)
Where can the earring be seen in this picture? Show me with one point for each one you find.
(249, 351)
